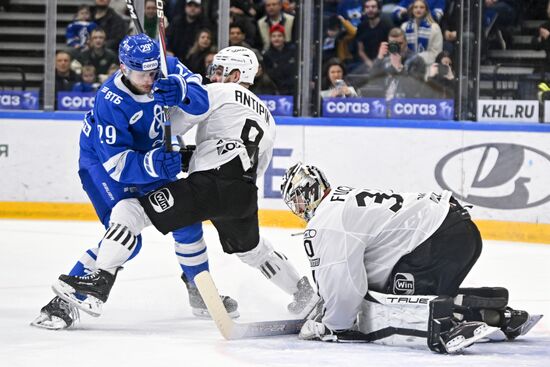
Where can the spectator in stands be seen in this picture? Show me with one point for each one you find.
(280, 61)
(65, 78)
(263, 84)
(402, 11)
(150, 19)
(450, 26)
(338, 39)
(541, 40)
(397, 70)
(422, 32)
(97, 53)
(351, 10)
(199, 50)
(237, 37)
(242, 12)
(289, 7)
(499, 17)
(111, 22)
(440, 78)
(372, 31)
(88, 81)
(78, 31)
(275, 15)
(333, 83)
(183, 30)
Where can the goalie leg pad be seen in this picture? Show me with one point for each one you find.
(417, 321)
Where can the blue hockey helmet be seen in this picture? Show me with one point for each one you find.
(139, 52)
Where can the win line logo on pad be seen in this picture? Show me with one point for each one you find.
(161, 200)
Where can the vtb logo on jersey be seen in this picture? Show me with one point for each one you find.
(161, 200)
(403, 283)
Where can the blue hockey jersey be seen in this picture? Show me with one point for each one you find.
(123, 126)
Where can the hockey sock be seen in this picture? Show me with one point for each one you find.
(116, 248)
(192, 257)
(86, 264)
(274, 265)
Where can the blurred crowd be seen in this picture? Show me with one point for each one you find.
(370, 48)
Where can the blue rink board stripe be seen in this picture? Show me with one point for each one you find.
(323, 121)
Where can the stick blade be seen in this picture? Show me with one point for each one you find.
(211, 297)
(232, 330)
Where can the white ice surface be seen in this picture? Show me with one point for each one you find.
(147, 321)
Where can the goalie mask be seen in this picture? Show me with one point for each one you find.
(303, 188)
(235, 58)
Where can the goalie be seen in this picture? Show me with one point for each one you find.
(389, 266)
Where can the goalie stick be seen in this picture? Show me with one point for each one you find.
(232, 330)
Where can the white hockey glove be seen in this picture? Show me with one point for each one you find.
(312, 330)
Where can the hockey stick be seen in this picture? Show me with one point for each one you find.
(232, 330)
(164, 70)
(132, 10)
(163, 66)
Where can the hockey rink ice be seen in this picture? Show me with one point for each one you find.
(147, 321)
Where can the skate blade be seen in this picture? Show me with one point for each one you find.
(90, 305)
(44, 322)
(202, 313)
(532, 321)
(459, 343)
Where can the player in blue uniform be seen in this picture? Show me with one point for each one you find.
(122, 156)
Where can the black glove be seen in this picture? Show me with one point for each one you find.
(186, 154)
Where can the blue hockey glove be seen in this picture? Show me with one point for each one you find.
(170, 91)
(162, 164)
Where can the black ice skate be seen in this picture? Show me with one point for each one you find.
(518, 322)
(305, 298)
(57, 314)
(465, 334)
(198, 307)
(87, 292)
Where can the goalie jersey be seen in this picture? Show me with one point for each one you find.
(357, 236)
(228, 130)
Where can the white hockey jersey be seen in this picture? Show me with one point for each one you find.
(227, 129)
(357, 236)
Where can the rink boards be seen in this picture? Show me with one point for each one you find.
(503, 170)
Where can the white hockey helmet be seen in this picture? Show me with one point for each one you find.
(239, 58)
(303, 188)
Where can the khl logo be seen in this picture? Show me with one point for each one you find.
(496, 175)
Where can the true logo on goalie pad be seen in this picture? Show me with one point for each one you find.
(403, 283)
(161, 200)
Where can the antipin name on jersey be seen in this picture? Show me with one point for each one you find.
(249, 101)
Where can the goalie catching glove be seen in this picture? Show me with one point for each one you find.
(170, 91)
